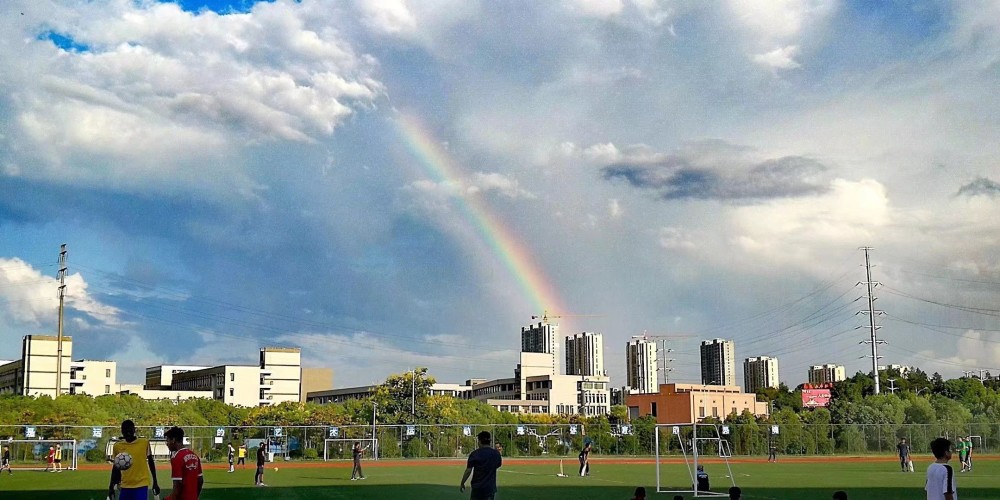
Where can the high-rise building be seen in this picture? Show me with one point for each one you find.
(718, 362)
(640, 366)
(585, 354)
(826, 374)
(541, 338)
(760, 372)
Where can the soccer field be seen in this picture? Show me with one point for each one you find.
(790, 479)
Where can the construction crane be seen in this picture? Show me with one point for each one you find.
(661, 341)
(545, 317)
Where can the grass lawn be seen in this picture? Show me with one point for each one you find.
(389, 480)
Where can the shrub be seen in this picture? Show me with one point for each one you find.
(311, 453)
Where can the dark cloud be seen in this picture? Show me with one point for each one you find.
(723, 172)
(980, 187)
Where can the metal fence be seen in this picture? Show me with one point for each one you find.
(525, 440)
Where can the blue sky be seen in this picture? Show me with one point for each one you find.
(231, 175)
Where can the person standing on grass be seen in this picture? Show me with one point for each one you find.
(5, 461)
(968, 453)
(482, 466)
(58, 458)
(356, 453)
(50, 460)
(772, 453)
(940, 483)
(585, 459)
(185, 468)
(231, 455)
(242, 460)
(904, 454)
(134, 481)
(258, 478)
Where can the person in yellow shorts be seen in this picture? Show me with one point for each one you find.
(135, 480)
(242, 454)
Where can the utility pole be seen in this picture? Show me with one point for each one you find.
(413, 395)
(982, 374)
(967, 373)
(665, 360)
(871, 312)
(59, 334)
(892, 385)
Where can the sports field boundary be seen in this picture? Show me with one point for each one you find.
(424, 462)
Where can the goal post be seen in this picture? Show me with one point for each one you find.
(698, 444)
(32, 454)
(340, 448)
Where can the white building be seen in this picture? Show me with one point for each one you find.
(640, 366)
(760, 372)
(826, 374)
(158, 377)
(718, 362)
(274, 380)
(34, 374)
(542, 338)
(585, 354)
(94, 378)
(902, 369)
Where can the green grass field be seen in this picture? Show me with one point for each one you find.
(788, 480)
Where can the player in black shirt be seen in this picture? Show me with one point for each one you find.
(261, 460)
(482, 466)
(5, 461)
(357, 451)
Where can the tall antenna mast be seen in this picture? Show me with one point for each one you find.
(59, 335)
(871, 312)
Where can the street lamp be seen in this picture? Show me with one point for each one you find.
(922, 390)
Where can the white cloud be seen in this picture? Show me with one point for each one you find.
(676, 238)
(31, 298)
(615, 209)
(779, 58)
(497, 182)
(160, 93)
(388, 16)
(595, 8)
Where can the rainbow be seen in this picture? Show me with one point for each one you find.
(503, 243)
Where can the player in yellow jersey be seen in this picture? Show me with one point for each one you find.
(135, 480)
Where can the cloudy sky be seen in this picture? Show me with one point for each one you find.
(398, 183)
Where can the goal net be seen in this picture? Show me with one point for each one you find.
(32, 454)
(693, 459)
(340, 448)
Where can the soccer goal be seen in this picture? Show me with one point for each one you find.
(340, 448)
(32, 454)
(699, 444)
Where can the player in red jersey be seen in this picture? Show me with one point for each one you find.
(185, 467)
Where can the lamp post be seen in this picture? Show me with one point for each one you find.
(922, 390)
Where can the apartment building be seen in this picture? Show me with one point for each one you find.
(826, 374)
(35, 373)
(760, 372)
(542, 338)
(640, 366)
(718, 362)
(94, 378)
(585, 354)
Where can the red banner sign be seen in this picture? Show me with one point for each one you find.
(815, 398)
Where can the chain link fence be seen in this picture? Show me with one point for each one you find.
(520, 440)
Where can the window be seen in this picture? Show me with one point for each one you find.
(232, 377)
(232, 391)
(715, 411)
(107, 389)
(107, 373)
(652, 409)
(701, 411)
(84, 377)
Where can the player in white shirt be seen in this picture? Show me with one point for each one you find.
(940, 476)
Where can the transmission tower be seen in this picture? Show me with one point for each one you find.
(59, 334)
(871, 312)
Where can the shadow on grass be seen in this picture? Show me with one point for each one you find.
(439, 492)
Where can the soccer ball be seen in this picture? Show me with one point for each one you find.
(123, 461)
